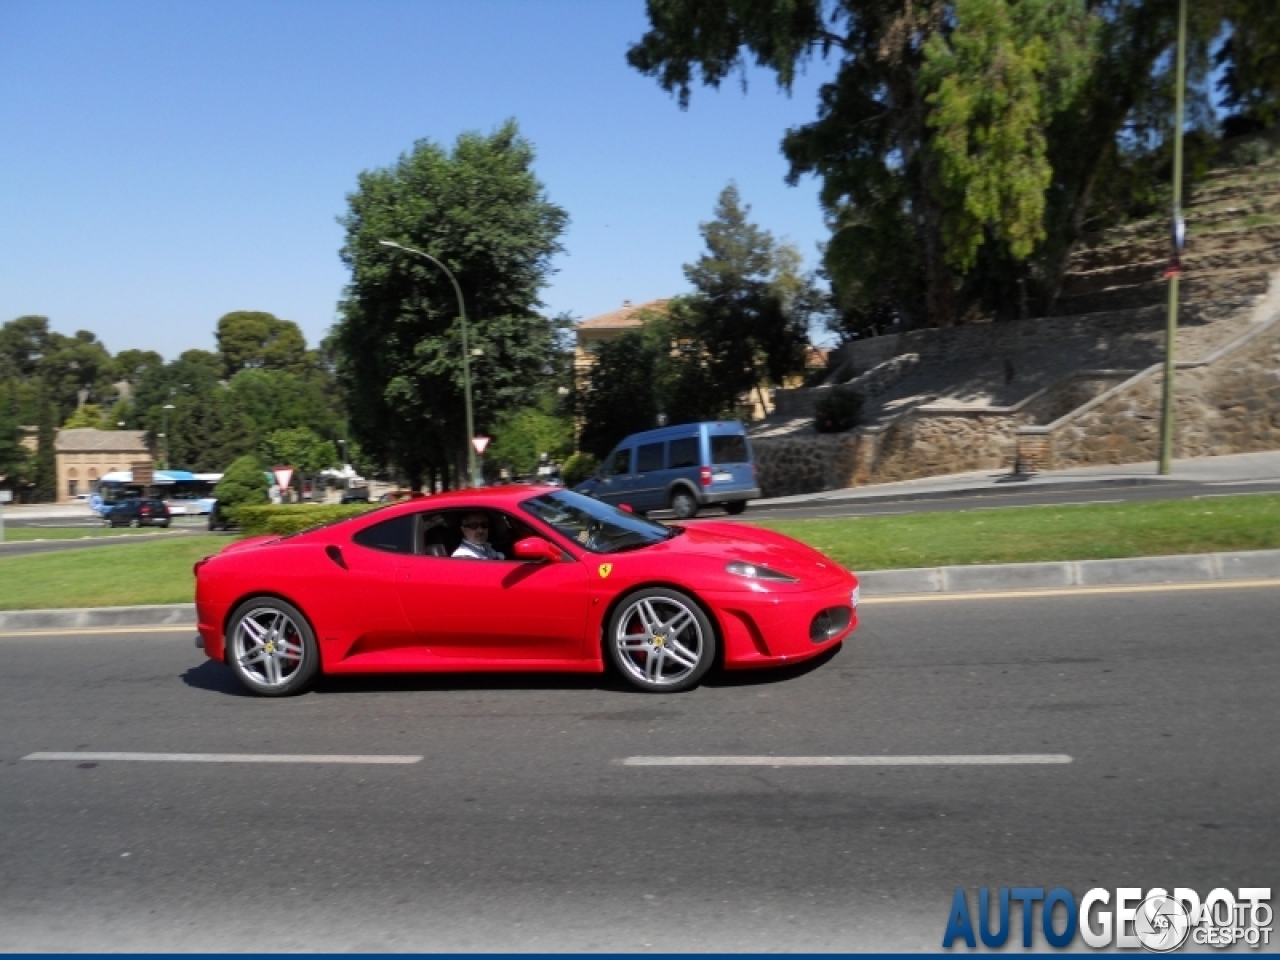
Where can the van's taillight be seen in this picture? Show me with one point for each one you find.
(704, 476)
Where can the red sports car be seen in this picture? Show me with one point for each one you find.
(581, 584)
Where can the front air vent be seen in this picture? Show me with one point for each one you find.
(829, 623)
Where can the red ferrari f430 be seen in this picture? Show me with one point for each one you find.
(518, 578)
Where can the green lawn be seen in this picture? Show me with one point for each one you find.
(156, 572)
(160, 571)
(1026, 534)
(26, 534)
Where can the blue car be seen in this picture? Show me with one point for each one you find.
(682, 468)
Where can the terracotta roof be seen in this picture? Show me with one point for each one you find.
(626, 317)
(87, 439)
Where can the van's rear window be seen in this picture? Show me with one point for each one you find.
(730, 448)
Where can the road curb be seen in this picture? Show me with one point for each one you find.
(1130, 571)
(1007, 487)
(87, 618)
(984, 578)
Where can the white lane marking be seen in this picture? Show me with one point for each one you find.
(993, 759)
(227, 757)
(189, 628)
(1237, 483)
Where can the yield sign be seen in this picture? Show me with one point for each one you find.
(283, 476)
(480, 443)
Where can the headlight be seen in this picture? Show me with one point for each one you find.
(853, 597)
(753, 571)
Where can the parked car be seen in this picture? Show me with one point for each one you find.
(580, 586)
(684, 468)
(138, 512)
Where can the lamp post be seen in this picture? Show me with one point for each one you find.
(1175, 269)
(167, 408)
(466, 353)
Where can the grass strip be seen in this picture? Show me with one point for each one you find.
(133, 573)
(1095, 531)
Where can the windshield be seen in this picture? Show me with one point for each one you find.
(594, 525)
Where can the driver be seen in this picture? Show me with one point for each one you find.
(475, 539)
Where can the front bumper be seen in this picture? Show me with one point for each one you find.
(770, 629)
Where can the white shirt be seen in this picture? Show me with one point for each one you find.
(477, 551)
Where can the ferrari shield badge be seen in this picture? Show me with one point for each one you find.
(605, 570)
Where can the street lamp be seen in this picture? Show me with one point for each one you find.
(466, 354)
(167, 408)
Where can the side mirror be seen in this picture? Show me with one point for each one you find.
(625, 508)
(535, 548)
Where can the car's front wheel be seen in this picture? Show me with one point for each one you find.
(736, 507)
(271, 648)
(661, 640)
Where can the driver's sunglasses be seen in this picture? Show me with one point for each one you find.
(475, 526)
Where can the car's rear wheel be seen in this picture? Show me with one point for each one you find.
(736, 507)
(164, 523)
(684, 504)
(661, 640)
(271, 647)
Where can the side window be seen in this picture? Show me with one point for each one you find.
(649, 457)
(393, 536)
(621, 462)
(684, 453)
(728, 448)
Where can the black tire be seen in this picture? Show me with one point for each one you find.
(164, 523)
(641, 645)
(736, 507)
(282, 674)
(683, 504)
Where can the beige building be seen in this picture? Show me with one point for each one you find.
(85, 455)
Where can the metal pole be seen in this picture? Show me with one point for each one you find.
(1171, 329)
(466, 353)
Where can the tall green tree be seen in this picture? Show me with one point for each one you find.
(618, 397)
(251, 339)
(46, 466)
(14, 458)
(964, 146)
(746, 324)
(480, 209)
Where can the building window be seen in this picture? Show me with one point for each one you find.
(71, 487)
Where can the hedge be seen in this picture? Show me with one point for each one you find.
(294, 518)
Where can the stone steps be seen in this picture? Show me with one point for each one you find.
(1243, 241)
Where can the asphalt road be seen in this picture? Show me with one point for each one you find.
(520, 829)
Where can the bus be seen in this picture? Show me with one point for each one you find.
(182, 491)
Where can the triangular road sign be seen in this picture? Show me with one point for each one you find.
(480, 443)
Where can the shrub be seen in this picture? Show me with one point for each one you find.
(838, 411)
(294, 518)
(577, 468)
(244, 484)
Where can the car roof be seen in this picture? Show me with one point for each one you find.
(713, 427)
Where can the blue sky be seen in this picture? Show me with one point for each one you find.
(163, 163)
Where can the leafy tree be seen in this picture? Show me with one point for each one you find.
(1250, 63)
(134, 365)
(617, 398)
(243, 484)
(523, 436)
(280, 400)
(577, 468)
(46, 467)
(22, 343)
(481, 211)
(301, 449)
(964, 146)
(250, 339)
(75, 369)
(14, 458)
(747, 321)
(89, 415)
